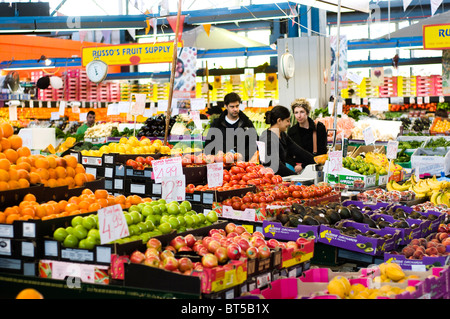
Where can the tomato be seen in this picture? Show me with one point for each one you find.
(236, 205)
(246, 199)
(305, 194)
(270, 199)
(227, 202)
(236, 170)
(250, 169)
(226, 178)
(245, 206)
(233, 182)
(256, 199)
(148, 160)
(269, 175)
(262, 199)
(296, 194)
(291, 188)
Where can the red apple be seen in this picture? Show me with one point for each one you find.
(446, 241)
(259, 234)
(246, 235)
(232, 234)
(221, 254)
(137, 257)
(213, 231)
(234, 251)
(190, 240)
(209, 261)
(272, 243)
(252, 252)
(152, 261)
(240, 229)
(170, 263)
(217, 236)
(178, 242)
(213, 245)
(263, 251)
(244, 244)
(198, 266)
(185, 248)
(206, 240)
(291, 244)
(257, 241)
(185, 264)
(155, 243)
(165, 254)
(203, 251)
(151, 252)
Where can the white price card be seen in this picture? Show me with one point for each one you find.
(335, 159)
(113, 109)
(168, 167)
(248, 214)
(195, 115)
(112, 224)
(355, 77)
(215, 174)
(379, 104)
(54, 116)
(173, 188)
(392, 149)
(198, 104)
(83, 117)
(338, 108)
(13, 113)
(138, 107)
(369, 137)
(62, 108)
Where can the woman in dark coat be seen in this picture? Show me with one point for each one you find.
(307, 134)
(280, 148)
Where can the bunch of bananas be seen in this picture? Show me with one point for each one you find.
(437, 191)
(382, 160)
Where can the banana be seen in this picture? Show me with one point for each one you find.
(389, 186)
(439, 199)
(446, 199)
(433, 197)
(399, 187)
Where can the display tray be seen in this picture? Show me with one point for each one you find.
(13, 197)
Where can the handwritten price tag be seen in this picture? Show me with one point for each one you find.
(169, 167)
(173, 188)
(215, 174)
(392, 149)
(335, 159)
(369, 137)
(112, 224)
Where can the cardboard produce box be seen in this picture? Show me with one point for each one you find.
(429, 162)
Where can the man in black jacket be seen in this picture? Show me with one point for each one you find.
(232, 131)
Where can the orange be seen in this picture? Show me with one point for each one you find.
(41, 162)
(14, 184)
(84, 204)
(51, 161)
(62, 205)
(16, 141)
(52, 173)
(61, 162)
(23, 174)
(24, 183)
(71, 161)
(74, 200)
(111, 200)
(80, 179)
(80, 169)
(35, 178)
(70, 207)
(4, 175)
(11, 218)
(5, 164)
(2, 218)
(75, 212)
(60, 172)
(70, 171)
(43, 173)
(120, 199)
(103, 202)
(52, 183)
(25, 159)
(1, 154)
(49, 209)
(11, 210)
(11, 155)
(5, 144)
(94, 207)
(62, 182)
(7, 129)
(55, 205)
(136, 199)
(90, 177)
(87, 191)
(23, 151)
(23, 165)
(13, 174)
(101, 193)
(70, 181)
(29, 293)
(28, 211)
(29, 197)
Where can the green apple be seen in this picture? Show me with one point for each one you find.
(60, 234)
(142, 227)
(181, 229)
(136, 217)
(94, 233)
(89, 222)
(82, 244)
(145, 237)
(186, 204)
(150, 225)
(80, 232)
(189, 220)
(196, 219)
(163, 208)
(156, 209)
(134, 208)
(202, 218)
(182, 210)
(77, 220)
(173, 209)
(161, 201)
(181, 220)
(147, 210)
(141, 206)
(70, 241)
(134, 229)
(174, 222)
(152, 218)
(90, 242)
(165, 228)
(128, 219)
(69, 229)
(212, 216)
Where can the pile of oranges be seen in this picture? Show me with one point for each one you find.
(20, 169)
(88, 202)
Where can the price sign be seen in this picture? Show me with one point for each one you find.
(168, 167)
(215, 174)
(369, 138)
(138, 107)
(62, 108)
(335, 159)
(248, 214)
(112, 224)
(173, 188)
(13, 113)
(195, 115)
(392, 149)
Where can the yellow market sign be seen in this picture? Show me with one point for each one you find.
(436, 37)
(129, 54)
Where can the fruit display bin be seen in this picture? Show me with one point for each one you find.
(12, 197)
(292, 257)
(276, 230)
(210, 196)
(359, 243)
(414, 264)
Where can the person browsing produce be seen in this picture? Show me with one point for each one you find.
(90, 121)
(280, 148)
(307, 134)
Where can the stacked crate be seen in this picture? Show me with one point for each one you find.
(423, 86)
(389, 88)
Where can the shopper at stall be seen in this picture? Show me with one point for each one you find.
(232, 131)
(307, 134)
(280, 148)
(90, 121)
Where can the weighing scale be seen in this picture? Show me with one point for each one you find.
(311, 174)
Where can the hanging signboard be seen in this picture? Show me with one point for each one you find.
(129, 54)
(436, 37)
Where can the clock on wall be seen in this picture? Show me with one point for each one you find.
(96, 71)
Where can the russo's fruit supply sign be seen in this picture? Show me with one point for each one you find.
(436, 37)
(129, 54)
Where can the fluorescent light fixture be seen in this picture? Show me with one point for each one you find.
(322, 5)
(246, 20)
(357, 5)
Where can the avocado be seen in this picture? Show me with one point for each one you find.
(357, 216)
(322, 219)
(369, 221)
(311, 221)
(298, 209)
(333, 216)
(344, 212)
